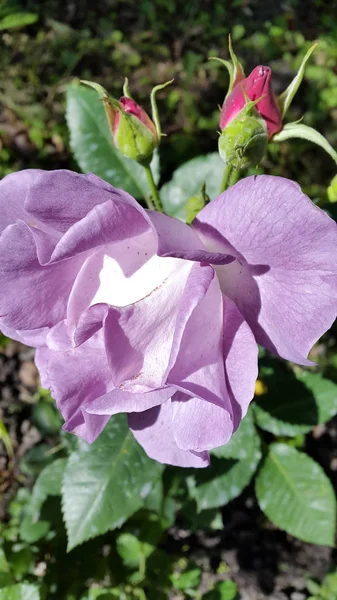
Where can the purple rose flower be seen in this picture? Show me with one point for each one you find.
(133, 311)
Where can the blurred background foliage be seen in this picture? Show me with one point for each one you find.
(151, 41)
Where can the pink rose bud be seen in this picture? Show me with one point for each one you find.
(256, 85)
(131, 107)
(134, 133)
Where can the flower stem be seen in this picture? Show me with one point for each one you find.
(154, 190)
(225, 178)
(230, 176)
(234, 177)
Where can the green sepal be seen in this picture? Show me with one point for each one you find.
(134, 139)
(234, 68)
(195, 204)
(285, 99)
(304, 132)
(332, 190)
(126, 89)
(154, 108)
(238, 72)
(110, 104)
(244, 140)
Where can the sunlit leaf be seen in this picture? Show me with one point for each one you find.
(298, 130)
(17, 20)
(106, 482)
(294, 492)
(21, 591)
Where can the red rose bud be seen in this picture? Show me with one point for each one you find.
(256, 85)
(134, 133)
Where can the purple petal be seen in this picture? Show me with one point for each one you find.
(118, 401)
(178, 240)
(32, 296)
(80, 381)
(284, 281)
(13, 190)
(75, 377)
(30, 337)
(61, 198)
(110, 222)
(196, 361)
(153, 430)
(240, 356)
(199, 425)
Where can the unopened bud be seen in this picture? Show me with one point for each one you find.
(256, 85)
(134, 133)
(244, 141)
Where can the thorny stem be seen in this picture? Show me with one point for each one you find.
(154, 191)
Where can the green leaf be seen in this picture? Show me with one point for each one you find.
(154, 499)
(106, 482)
(223, 590)
(47, 418)
(206, 519)
(92, 144)
(243, 442)
(4, 566)
(188, 580)
(287, 96)
(6, 440)
(294, 492)
(17, 20)
(32, 531)
(22, 591)
(131, 550)
(187, 181)
(298, 130)
(225, 478)
(21, 560)
(48, 483)
(295, 403)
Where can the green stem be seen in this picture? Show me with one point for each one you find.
(230, 176)
(225, 178)
(154, 190)
(234, 177)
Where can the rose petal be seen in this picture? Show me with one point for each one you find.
(196, 362)
(178, 240)
(118, 401)
(284, 281)
(109, 222)
(199, 425)
(30, 337)
(13, 190)
(240, 354)
(75, 378)
(32, 296)
(153, 430)
(61, 198)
